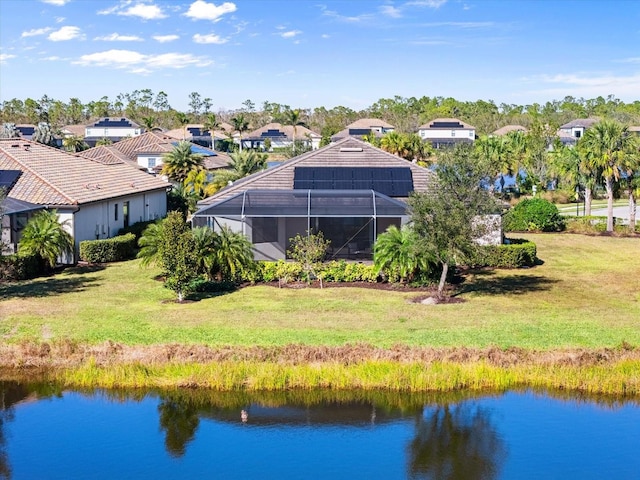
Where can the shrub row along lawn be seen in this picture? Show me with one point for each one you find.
(585, 294)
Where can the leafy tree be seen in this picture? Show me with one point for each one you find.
(74, 144)
(605, 145)
(396, 253)
(177, 255)
(180, 161)
(445, 220)
(46, 238)
(44, 135)
(308, 250)
(9, 130)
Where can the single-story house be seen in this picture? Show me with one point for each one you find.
(280, 136)
(145, 152)
(364, 127)
(15, 213)
(447, 132)
(94, 199)
(350, 190)
(508, 129)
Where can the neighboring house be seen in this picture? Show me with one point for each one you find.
(508, 129)
(112, 128)
(197, 134)
(73, 131)
(447, 132)
(363, 128)
(571, 132)
(349, 190)
(15, 213)
(280, 136)
(95, 199)
(145, 152)
(26, 130)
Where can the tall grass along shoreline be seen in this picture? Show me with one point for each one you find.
(613, 371)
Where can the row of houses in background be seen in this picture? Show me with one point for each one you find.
(349, 189)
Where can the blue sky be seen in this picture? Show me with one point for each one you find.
(311, 53)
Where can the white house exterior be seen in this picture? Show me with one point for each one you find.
(112, 128)
(571, 132)
(279, 136)
(95, 199)
(446, 132)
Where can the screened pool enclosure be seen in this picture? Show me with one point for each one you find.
(350, 219)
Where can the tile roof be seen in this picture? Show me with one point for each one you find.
(54, 177)
(362, 124)
(76, 130)
(221, 133)
(508, 129)
(428, 125)
(580, 122)
(348, 152)
(300, 132)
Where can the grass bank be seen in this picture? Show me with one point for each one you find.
(296, 367)
(586, 294)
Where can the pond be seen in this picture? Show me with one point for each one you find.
(49, 433)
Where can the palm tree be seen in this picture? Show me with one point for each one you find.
(149, 242)
(293, 118)
(46, 238)
(44, 135)
(74, 144)
(210, 124)
(395, 253)
(243, 163)
(632, 173)
(394, 143)
(240, 125)
(183, 120)
(206, 241)
(180, 161)
(233, 254)
(149, 123)
(605, 145)
(495, 152)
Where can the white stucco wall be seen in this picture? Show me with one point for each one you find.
(112, 132)
(448, 133)
(143, 161)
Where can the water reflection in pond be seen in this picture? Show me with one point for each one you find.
(49, 433)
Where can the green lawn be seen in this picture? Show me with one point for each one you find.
(587, 293)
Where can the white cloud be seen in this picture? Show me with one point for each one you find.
(630, 60)
(59, 19)
(57, 3)
(137, 62)
(210, 38)
(66, 33)
(6, 56)
(165, 38)
(390, 11)
(427, 3)
(590, 84)
(36, 31)
(142, 10)
(53, 58)
(290, 34)
(325, 35)
(201, 10)
(116, 37)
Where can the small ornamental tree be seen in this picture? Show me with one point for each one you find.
(308, 250)
(397, 255)
(177, 254)
(46, 238)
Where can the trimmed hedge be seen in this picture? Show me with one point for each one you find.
(534, 215)
(108, 250)
(515, 254)
(19, 267)
(137, 228)
(335, 271)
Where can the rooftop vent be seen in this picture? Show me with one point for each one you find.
(351, 149)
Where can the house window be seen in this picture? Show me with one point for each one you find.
(115, 212)
(453, 133)
(152, 163)
(578, 133)
(125, 214)
(264, 229)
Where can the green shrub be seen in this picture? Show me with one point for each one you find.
(19, 267)
(341, 271)
(108, 250)
(514, 254)
(334, 271)
(534, 215)
(137, 228)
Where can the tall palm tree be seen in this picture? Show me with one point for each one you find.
(210, 124)
(632, 173)
(180, 161)
(183, 120)
(495, 152)
(293, 118)
(46, 238)
(240, 125)
(605, 145)
(149, 123)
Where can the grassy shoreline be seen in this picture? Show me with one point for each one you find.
(350, 367)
